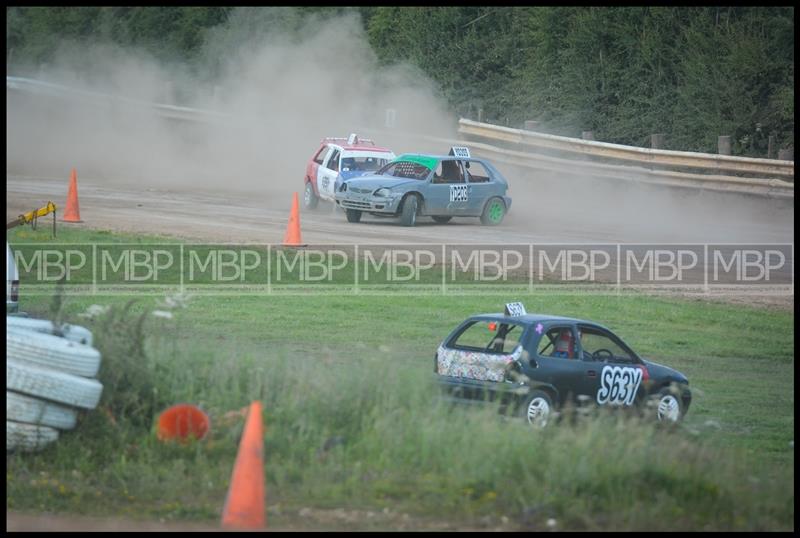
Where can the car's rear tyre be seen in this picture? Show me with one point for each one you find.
(493, 212)
(538, 409)
(442, 220)
(353, 215)
(310, 198)
(408, 215)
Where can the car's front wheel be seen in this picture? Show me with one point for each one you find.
(408, 215)
(666, 405)
(538, 409)
(353, 215)
(493, 212)
(310, 198)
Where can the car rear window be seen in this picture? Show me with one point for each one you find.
(488, 337)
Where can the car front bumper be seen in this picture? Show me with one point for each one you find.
(369, 202)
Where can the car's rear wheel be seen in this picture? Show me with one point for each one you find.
(310, 198)
(442, 220)
(353, 215)
(493, 212)
(538, 409)
(408, 215)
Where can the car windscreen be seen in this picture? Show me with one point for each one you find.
(362, 164)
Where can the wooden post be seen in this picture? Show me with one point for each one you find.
(724, 145)
(786, 154)
(657, 141)
(771, 146)
(587, 135)
(480, 115)
(531, 125)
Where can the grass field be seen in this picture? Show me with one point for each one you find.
(357, 370)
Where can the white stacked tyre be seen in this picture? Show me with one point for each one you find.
(49, 371)
(75, 333)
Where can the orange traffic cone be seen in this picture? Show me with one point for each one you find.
(182, 421)
(244, 506)
(72, 213)
(292, 237)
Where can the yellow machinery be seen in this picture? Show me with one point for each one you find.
(32, 216)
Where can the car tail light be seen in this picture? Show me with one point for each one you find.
(15, 290)
(645, 373)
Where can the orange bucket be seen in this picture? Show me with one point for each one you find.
(181, 421)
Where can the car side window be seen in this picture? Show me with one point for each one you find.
(476, 172)
(558, 342)
(333, 161)
(449, 172)
(488, 337)
(438, 176)
(319, 158)
(599, 345)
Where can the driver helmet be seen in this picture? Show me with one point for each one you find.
(564, 345)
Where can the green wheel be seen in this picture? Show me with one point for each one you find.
(494, 212)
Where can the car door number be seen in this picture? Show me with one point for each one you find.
(459, 193)
(618, 385)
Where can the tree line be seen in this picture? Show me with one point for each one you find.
(689, 73)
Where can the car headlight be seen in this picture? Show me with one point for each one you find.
(383, 192)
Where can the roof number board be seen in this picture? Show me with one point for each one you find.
(515, 309)
(460, 151)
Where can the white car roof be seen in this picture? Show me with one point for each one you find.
(376, 154)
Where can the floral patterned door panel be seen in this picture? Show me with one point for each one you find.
(475, 364)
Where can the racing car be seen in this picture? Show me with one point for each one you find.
(534, 364)
(337, 160)
(442, 187)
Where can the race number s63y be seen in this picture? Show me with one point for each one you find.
(618, 385)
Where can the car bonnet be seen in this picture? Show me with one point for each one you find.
(371, 183)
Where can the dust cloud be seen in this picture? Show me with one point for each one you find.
(274, 96)
(603, 210)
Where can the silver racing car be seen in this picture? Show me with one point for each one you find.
(438, 186)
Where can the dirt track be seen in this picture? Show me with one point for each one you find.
(261, 217)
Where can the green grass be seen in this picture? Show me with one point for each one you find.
(359, 368)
